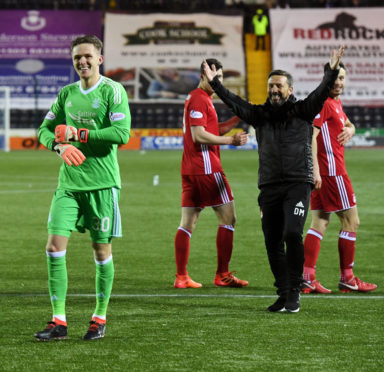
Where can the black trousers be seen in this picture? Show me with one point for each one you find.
(284, 209)
(260, 39)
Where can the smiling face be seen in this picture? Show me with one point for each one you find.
(338, 86)
(86, 61)
(278, 89)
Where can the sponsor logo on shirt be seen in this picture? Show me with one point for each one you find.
(195, 114)
(83, 118)
(116, 116)
(50, 116)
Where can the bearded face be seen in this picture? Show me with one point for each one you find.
(278, 90)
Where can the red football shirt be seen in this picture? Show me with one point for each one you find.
(200, 158)
(330, 153)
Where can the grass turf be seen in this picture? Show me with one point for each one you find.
(151, 325)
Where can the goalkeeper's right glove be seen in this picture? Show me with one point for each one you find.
(66, 133)
(69, 153)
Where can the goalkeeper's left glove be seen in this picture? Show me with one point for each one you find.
(69, 153)
(66, 133)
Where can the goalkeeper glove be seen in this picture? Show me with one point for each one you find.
(66, 133)
(70, 154)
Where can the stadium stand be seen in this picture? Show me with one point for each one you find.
(169, 115)
(165, 115)
(161, 115)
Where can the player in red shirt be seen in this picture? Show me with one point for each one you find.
(333, 193)
(204, 183)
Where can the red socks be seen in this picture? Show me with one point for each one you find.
(311, 253)
(224, 245)
(182, 239)
(346, 245)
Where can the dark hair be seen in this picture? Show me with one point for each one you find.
(327, 67)
(211, 61)
(88, 39)
(282, 73)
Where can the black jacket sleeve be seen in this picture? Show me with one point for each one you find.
(240, 107)
(312, 105)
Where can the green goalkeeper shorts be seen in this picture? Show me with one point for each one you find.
(97, 211)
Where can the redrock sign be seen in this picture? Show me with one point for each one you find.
(343, 27)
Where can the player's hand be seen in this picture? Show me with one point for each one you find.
(210, 72)
(70, 154)
(335, 58)
(66, 133)
(239, 139)
(317, 180)
(345, 136)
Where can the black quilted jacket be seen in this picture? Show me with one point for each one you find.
(284, 134)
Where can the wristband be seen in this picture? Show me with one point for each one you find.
(54, 144)
(82, 134)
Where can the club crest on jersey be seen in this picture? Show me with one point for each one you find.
(96, 103)
(116, 116)
(195, 114)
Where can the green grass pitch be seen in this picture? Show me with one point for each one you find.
(154, 327)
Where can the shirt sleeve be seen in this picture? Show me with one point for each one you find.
(241, 108)
(197, 112)
(312, 105)
(119, 118)
(55, 116)
(320, 117)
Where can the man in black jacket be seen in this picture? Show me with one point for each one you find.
(284, 134)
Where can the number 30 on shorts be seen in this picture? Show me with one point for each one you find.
(101, 224)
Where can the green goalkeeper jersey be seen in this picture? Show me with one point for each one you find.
(104, 111)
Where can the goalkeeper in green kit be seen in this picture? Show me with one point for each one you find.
(96, 112)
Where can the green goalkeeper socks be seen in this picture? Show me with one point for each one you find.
(104, 280)
(57, 281)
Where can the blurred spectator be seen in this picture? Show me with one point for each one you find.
(171, 83)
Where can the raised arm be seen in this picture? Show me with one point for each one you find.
(335, 58)
(240, 107)
(313, 104)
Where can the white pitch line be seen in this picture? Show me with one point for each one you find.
(319, 297)
(25, 191)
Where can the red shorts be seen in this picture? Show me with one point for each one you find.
(208, 190)
(336, 194)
